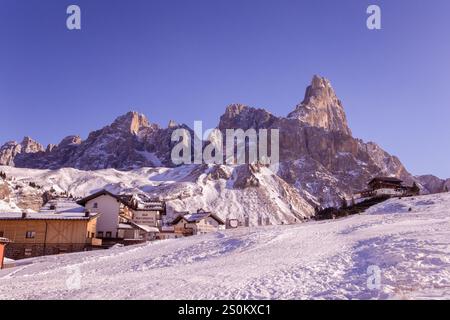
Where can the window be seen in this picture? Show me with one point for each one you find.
(2, 233)
(95, 205)
(28, 252)
(100, 234)
(30, 235)
(108, 234)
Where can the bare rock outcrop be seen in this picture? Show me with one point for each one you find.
(321, 108)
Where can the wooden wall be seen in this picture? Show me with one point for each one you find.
(58, 231)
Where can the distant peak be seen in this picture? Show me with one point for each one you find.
(319, 87)
(132, 121)
(31, 146)
(235, 108)
(172, 124)
(69, 140)
(321, 107)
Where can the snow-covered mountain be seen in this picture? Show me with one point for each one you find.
(229, 191)
(433, 184)
(389, 252)
(319, 156)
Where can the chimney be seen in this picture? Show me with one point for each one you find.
(87, 214)
(24, 214)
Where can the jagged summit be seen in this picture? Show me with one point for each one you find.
(172, 124)
(29, 145)
(132, 122)
(321, 107)
(244, 117)
(11, 149)
(318, 154)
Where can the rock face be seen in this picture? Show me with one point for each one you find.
(433, 184)
(321, 108)
(131, 141)
(318, 154)
(10, 150)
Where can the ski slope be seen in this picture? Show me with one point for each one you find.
(314, 260)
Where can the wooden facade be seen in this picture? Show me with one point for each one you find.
(32, 237)
(388, 186)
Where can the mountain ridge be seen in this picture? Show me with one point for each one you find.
(318, 154)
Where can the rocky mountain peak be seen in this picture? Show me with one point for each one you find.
(29, 145)
(172, 124)
(244, 117)
(131, 122)
(321, 107)
(70, 140)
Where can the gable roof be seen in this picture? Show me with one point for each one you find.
(196, 217)
(386, 179)
(101, 193)
(137, 202)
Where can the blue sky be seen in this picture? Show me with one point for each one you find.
(187, 60)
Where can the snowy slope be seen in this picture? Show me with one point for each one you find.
(314, 260)
(229, 191)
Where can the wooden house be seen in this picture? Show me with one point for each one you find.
(197, 223)
(387, 186)
(49, 232)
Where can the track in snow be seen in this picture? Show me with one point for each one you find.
(317, 260)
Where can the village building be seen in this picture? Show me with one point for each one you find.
(126, 219)
(197, 223)
(387, 186)
(61, 227)
(146, 211)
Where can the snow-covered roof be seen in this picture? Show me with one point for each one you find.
(137, 201)
(141, 201)
(147, 228)
(125, 226)
(132, 225)
(196, 217)
(56, 209)
(62, 205)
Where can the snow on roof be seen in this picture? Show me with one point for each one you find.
(142, 201)
(56, 209)
(47, 216)
(147, 228)
(196, 217)
(125, 226)
(137, 201)
(62, 205)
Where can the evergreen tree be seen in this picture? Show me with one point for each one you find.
(344, 203)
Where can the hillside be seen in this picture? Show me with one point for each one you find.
(314, 260)
(229, 191)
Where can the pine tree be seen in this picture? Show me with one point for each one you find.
(344, 204)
